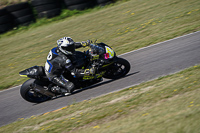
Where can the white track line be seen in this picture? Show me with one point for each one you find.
(160, 43)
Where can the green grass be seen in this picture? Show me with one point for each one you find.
(125, 26)
(4, 3)
(167, 104)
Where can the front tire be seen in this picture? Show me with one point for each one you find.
(29, 94)
(118, 69)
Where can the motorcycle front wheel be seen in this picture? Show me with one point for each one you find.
(30, 95)
(118, 69)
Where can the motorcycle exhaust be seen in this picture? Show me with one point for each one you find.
(41, 90)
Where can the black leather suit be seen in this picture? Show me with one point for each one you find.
(56, 64)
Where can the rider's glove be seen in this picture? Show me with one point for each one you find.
(85, 43)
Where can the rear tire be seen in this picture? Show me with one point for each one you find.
(29, 95)
(118, 69)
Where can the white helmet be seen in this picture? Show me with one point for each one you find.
(66, 45)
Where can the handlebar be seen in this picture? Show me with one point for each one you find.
(97, 49)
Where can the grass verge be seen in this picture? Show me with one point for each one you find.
(124, 26)
(167, 104)
(4, 3)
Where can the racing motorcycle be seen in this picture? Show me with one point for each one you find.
(38, 88)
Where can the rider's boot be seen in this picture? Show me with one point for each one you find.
(64, 83)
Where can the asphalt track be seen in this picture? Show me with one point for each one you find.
(146, 64)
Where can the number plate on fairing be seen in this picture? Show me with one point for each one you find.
(110, 52)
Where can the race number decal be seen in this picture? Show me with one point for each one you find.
(49, 57)
(110, 52)
(48, 65)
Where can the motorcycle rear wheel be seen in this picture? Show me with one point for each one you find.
(118, 69)
(30, 95)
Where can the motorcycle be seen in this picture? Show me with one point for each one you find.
(100, 56)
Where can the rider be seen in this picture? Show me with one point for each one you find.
(61, 58)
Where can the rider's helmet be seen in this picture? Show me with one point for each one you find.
(66, 45)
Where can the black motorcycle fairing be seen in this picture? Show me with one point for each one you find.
(103, 45)
(33, 72)
(100, 56)
(80, 59)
